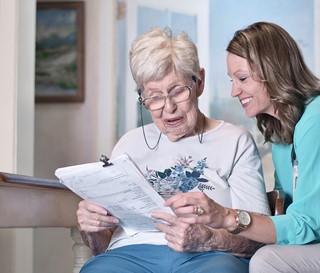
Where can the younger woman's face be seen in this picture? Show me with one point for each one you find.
(249, 89)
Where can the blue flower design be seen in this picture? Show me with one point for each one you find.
(179, 178)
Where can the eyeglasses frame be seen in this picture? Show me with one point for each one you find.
(142, 101)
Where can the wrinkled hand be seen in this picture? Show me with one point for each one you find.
(182, 237)
(183, 205)
(93, 218)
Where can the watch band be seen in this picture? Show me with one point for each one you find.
(243, 220)
(237, 230)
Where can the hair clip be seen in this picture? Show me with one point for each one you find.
(105, 160)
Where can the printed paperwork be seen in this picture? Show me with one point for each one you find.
(119, 187)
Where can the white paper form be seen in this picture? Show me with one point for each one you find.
(120, 188)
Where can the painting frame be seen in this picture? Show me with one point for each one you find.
(59, 56)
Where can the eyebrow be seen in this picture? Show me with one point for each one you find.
(171, 87)
(239, 71)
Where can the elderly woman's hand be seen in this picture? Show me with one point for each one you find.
(93, 218)
(198, 208)
(183, 237)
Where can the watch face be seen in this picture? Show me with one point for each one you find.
(244, 218)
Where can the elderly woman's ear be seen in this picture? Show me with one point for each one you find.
(200, 82)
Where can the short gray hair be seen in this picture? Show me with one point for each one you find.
(157, 53)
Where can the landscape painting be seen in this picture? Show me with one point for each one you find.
(59, 52)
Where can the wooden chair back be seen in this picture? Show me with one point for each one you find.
(276, 202)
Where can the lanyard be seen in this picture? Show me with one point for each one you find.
(294, 162)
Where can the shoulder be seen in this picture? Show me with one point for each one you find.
(235, 131)
(135, 133)
(312, 109)
(310, 120)
(134, 139)
(131, 134)
(235, 137)
(306, 135)
(314, 103)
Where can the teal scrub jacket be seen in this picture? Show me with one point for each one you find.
(301, 223)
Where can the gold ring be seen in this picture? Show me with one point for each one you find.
(198, 210)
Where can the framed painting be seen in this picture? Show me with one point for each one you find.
(59, 70)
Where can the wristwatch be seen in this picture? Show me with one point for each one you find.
(243, 220)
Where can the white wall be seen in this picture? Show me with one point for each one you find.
(64, 134)
(17, 118)
(74, 133)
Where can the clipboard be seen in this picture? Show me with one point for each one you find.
(118, 186)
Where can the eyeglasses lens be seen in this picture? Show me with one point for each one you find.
(179, 94)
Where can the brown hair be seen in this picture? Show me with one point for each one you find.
(275, 57)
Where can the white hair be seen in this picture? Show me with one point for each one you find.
(157, 53)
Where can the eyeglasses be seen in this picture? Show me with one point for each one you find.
(177, 95)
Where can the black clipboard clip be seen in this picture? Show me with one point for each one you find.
(105, 160)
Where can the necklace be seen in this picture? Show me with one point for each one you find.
(144, 133)
(145, 139)
(200, 136)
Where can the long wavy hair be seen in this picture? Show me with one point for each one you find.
(275, 57)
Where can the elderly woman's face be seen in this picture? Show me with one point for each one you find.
(175, 120)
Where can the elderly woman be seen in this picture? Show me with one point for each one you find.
(273, 84)
(181, 151)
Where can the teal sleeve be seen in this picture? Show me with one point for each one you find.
(301, 223)
(281, 156)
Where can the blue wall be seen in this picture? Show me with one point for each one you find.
(296, 16)
(227, 16)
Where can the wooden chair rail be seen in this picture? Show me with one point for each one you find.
(32, 202)
(27, 201)
(31, 181)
